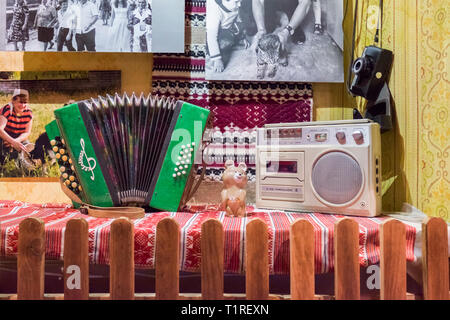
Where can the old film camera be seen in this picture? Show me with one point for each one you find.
(370, 76)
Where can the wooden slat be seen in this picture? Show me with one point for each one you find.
(121, 280)
(435, 259)
(99, 296)
(167, 259)
(76, 260)
(4, 296)
(212, 242)
(393, 260)
(31, 260)
(412, 296)
(346, 260)
(256, 260)
(302, 260)
(182, 296)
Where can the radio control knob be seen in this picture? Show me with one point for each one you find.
(340, 136)
(358, 136)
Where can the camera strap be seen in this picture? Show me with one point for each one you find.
(376, 38)
(349, 75)
(102, 212)
(379, 22)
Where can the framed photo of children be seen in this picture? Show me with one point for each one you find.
(92, 25)
(27, 103)
(274, 40)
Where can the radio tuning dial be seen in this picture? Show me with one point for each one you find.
(340, 136)
(358, 136)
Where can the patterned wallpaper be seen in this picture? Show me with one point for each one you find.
(416, 152)
(434, 96)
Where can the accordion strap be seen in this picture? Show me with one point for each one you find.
(192, 188)
(103, 212)
(202, 176)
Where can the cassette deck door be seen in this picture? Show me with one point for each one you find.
(282, 175)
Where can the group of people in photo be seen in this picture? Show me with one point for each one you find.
(84, 25)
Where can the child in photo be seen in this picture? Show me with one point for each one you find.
(16, 121)
(317, 10)
(223, 33)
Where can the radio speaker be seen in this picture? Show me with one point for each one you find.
(337, 178)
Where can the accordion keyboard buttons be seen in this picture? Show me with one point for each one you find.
(184, 158)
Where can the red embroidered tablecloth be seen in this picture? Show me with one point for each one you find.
(55, 217)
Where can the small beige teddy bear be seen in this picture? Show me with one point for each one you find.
(233, 193)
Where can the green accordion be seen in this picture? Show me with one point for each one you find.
(131, 150)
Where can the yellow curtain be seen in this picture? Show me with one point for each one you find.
(416, 152)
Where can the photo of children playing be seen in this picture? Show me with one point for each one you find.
(78, 25)
(274, 40)
(19, 156)
(25, 149)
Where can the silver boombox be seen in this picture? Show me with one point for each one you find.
(330, 167)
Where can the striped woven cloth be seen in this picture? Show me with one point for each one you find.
(55, 217)
(238, 107)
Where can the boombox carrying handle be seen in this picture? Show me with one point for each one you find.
(102, 212)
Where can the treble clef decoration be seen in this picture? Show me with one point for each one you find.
(91, 163)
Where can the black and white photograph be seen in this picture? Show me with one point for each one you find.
(275, 40)
(85, 25)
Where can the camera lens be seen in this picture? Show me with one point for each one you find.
(358, 65)
(362, 65)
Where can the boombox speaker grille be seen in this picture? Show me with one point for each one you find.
(337, 177)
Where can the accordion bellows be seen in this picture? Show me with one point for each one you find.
(132, 150)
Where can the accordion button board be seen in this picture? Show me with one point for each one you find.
(131, 150)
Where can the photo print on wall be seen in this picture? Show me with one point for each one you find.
(92, 25)
(275, 40)
(27, 102)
